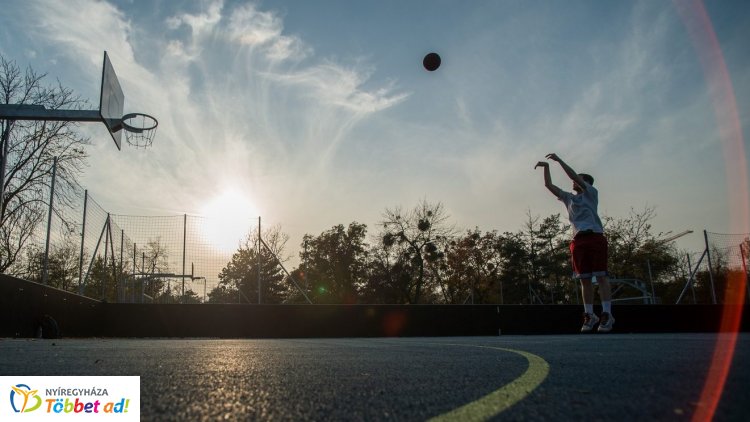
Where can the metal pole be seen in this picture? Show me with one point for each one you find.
(45, 269)
(107, 241)
(114, 261)
(4, 164)
(691, 279)
(710, 268)
(304, 269)
(692, 285)
(135, 254)
(184, 242)
(259, 262)
(83, 236)
(743, 255)
(93, 258)
(143, 270)
(651, 279)
(278, 262)
(120, 276)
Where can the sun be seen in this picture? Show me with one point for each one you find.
(229, 217)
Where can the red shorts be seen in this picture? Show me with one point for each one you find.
(589, 255)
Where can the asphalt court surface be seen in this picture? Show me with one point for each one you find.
(567, 377)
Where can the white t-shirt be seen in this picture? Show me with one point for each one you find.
(582, 210)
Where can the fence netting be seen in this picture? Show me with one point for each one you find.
(729, 262)
(124, 258)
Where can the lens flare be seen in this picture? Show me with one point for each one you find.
(702, 34)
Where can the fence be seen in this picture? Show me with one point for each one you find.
(121, 258)
(724, 256)
(169, 259)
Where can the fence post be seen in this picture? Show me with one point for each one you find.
(107, 242)
(93, 256)
(259, 262)
(143, 270)
(83, 238)
(692, 286)
(710, 267)
(135, 258)
(184, 242)
(123, 282)
(4, 164)
(45, 268)
(651, 279)
(743, 255)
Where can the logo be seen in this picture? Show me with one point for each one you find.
(24, 399)
(48, 397)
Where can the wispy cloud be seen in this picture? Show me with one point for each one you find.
(201, 24)
(239, 101)
(328, 124)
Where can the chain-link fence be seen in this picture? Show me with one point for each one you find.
(85, 249)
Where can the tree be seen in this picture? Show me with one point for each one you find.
(223, 293)
(472, 266)
(414, 236)
(189, 297)
(548, 265)
(389, 276)
(335, 264)
(101, 281)
(62, 269)
(238, 280)
(31, 150)
(534, 263)
(636, 252)
(513, 277)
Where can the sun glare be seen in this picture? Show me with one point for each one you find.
(229, 218)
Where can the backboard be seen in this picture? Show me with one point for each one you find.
(111, 102)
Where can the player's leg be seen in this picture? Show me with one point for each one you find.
(605, 291)
(605, 294)
(589, 317)
(599, 254)
(581, 258)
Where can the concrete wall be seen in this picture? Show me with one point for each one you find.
(279, 321)
(23, 305)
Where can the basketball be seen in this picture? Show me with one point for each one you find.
(431, 61)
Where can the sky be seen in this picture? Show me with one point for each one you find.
(312, 114)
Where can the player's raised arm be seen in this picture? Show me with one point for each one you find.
(568, 170)
(548, 179)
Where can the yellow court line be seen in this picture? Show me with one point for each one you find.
(501, 399)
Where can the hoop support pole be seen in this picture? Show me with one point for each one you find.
(39, 112)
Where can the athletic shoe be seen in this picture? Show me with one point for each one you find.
(589, 321)
(607, 322)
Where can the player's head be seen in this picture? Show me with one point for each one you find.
(586, 178)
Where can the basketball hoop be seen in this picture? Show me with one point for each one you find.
(139, 129)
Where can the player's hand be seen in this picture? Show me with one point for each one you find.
(541, 164)
(553, 157)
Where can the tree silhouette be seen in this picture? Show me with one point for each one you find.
(32, 148)
(413, 237)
